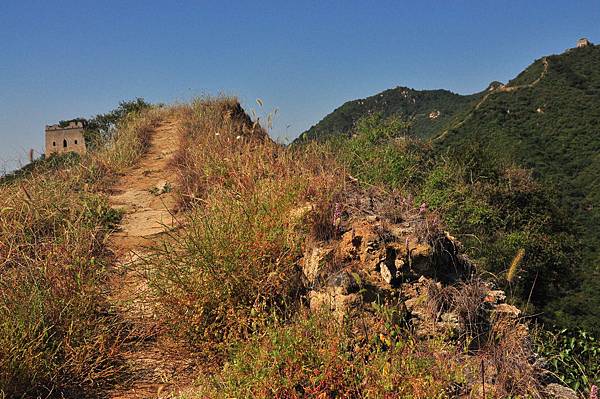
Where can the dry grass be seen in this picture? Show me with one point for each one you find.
(313, 357)
(514, 265)
(235, 265)
(131, 140)
(57, 333)
(509, 361)
(502, 344)
(228, 280)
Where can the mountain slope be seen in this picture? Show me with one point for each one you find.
(428, 110)
(546, 119)
(552, 127)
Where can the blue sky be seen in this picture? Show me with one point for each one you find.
(64, 59)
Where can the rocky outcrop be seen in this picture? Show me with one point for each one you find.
(406, 262)
(377, 261)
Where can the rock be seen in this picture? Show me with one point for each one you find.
(495, 296)
(372, 218)
(344, 282)
(313, 263)
(506, 310)
(399, 263)
(332, 299)
(450, 317)
(583, 42)
(450, 323)
(161, 187)
(557, 391)
(386, 273)
(413, 305)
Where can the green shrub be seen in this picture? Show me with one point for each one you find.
(315, 357)
(571, 356)
(493, 206)
(380, 153)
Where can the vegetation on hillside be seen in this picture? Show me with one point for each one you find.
(429, 111)
(229, 280)
(100, 128)
(547, 132)
(230, 283)
(495, 208)
(57, 334)
(503, 215)
(553, 129)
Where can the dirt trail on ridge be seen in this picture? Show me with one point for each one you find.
(155, 364)
(499, 89)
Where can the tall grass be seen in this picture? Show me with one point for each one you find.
(130, 140)
(514, 265)
(235, 264)
(228, 281)
(58, 335)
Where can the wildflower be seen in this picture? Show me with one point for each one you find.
(217, 134)
(594, 392)
(337, 214)
(238, 137)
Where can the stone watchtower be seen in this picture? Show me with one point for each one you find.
(583, 42)
(61, 139)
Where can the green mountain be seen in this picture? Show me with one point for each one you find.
(546, 119)
(429, 111)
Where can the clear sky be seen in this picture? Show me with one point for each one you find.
(64, 59)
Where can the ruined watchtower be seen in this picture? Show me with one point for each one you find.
(583, 42)
(61, 139)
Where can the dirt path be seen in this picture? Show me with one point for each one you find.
(156, 365)
(499, 89)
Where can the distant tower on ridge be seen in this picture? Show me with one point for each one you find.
(67, 138)
(583, 42)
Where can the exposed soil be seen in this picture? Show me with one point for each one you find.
(156, 365)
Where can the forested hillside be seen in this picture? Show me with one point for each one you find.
(553, 128)
(429, 111)
(546, 120)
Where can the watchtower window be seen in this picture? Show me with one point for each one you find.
(65, 143)
(75, 141)
(54, 144)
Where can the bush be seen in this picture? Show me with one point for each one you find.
(492, 205)
(571, 356)
(313, 357)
